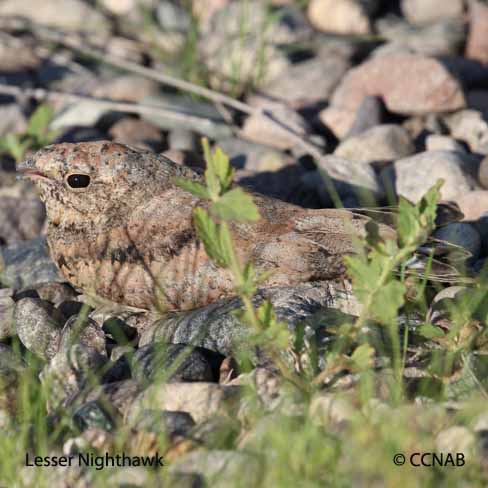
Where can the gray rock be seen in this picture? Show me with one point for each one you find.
(483, 172)
(436, 142)
(170, 363)
(461, 234)
(173, 423)
(260, 128)
(413, 176)
(352, 180)
(370, 113)
(471, 127)
(216, 328)
(201, 400)
(92, 415)
(172, 17)
(27, 264)
(220, 468)
(68, 14)
(380, 144)
(308, 82)
(80, 355)
(427, 11)
(38, 326)
(443, 38)
(21, 218)
(12, 119)
(7, 322)
(56, 293)
(182, 139)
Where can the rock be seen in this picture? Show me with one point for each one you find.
(136, 132)
(461, 234)
(253, 157)
(27, 263)
(120, 395)
(370, 113)
(119, 7)
(436, 142)
(455, 439)
(341, 16)
(83, 331)
(121, 332)
(182, 140)
(21, 218)
(7, 322)
(16, 56)
(483, 172)
(172, 17)
(187, 158)
(381, 144)
(477, 43)
(90, 415)
(308, 82)
(471, 127)
(156, 362)
(408, 83)
(445, 38)
(12, 119)
(71, 15)
(205, 118)
(429, 11)
(172, 423)
(414, 175)
(327, 408)
(338, 121)
(474, 204)
(85, 113)
(200, 400)
(353, 181)
(127, 88)
(80, 355)
(220, 468)
(56, 293)
(217, 329)
(38, 326)
(477, 100)
(258, 127)
(238, 46)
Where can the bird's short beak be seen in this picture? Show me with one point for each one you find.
(27, 169)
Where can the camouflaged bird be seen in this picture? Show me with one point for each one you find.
(120, 229)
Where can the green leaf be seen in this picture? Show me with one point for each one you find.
(429, 331)
(219, 173)
(388, 300)
(362, 357)
(193, 187)
(40, 120)
(236, 205)
(209, 233)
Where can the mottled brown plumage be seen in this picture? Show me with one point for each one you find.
(128, 236)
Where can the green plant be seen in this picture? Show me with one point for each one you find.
(36, 136)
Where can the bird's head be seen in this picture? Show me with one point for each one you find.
(92, 180)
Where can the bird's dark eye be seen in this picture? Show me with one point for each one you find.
(78, 181)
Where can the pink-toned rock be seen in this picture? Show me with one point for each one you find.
(408, 83)
(473, 204)
(338, 121)
(477, 43)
